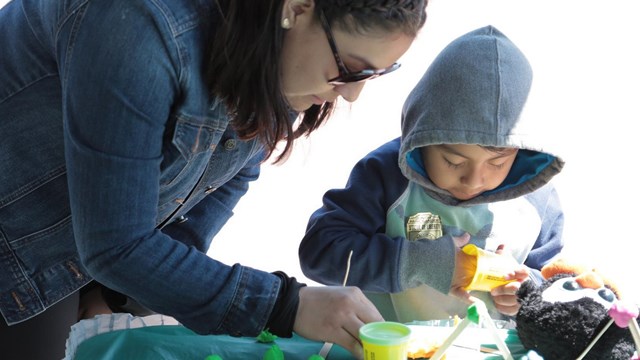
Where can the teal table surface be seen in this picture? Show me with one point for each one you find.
(177, 342)
(169, 342)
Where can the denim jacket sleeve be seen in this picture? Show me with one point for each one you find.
(123, 69)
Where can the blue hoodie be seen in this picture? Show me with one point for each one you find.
(474, 92)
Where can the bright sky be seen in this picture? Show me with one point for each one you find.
(585, 62)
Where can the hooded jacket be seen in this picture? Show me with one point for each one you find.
(474, 92)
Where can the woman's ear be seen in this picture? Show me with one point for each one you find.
(292, 9)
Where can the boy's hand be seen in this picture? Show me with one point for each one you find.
(504, 297)
(461, 277)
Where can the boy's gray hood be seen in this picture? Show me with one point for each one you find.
(475, 92)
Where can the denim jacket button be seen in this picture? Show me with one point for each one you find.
(180, 219)
(230, 144)
(209, 189)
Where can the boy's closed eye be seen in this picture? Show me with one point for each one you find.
(458, 164)
(452, 164)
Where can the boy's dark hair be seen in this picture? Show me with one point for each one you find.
(244, 64)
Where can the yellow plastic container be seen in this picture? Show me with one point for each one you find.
(385, 340)
(490, 269)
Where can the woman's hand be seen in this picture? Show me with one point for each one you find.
(334, 314)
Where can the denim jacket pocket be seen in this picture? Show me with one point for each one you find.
(189, 140)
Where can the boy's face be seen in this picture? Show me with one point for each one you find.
(466, 171)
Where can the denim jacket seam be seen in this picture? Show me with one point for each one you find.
(237, 297)
(80, 11)
(32, 186)
(44, 232)
(275, 290)
(27, 85)
(74, 10)
(176, 28)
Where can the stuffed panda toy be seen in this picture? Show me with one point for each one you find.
(561, 318)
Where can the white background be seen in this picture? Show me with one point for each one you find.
(586, 72)
(585, 59)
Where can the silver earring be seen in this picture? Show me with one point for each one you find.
(286, 24)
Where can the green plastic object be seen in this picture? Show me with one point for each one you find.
(472, 313)
(266, 337)
(273, 353)
(213, 357)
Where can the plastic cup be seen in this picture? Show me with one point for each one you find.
(490, 270)
(385, 340)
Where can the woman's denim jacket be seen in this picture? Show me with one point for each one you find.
(116, 166)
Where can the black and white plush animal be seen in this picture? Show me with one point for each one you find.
(560, 318)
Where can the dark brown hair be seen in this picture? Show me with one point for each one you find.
(244, 66)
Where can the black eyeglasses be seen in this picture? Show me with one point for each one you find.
(347, 76)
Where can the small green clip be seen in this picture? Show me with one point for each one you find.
(472, 313)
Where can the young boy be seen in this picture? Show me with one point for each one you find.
(462, 172)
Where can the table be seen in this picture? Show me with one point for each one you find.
(122, 336)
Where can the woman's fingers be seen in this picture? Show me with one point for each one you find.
(334, 314)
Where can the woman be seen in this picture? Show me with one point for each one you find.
(132, 128)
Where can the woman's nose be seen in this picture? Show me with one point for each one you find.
(350, 91)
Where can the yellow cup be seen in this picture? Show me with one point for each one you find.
(385, 340)
(490, 268)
